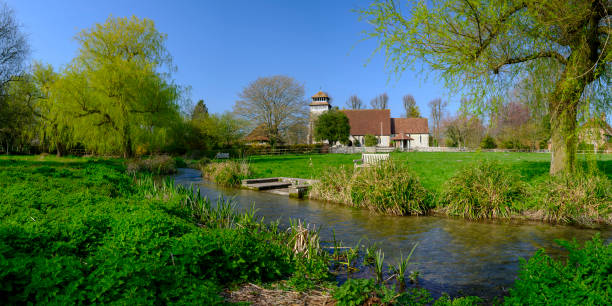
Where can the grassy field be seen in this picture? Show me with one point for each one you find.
(433, 169)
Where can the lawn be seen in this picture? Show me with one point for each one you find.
(433, 168)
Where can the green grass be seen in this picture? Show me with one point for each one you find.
(432, 168)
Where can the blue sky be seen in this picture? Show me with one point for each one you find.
(221, 46)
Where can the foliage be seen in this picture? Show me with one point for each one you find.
(445, 300)
(228, 173)
(483, 190)
(332, 126)
(581, 198)
(584, 279)
(482, 46)
(80, 232)
(370, 140)
(115, 87)
(488, 142)
(390, 187)
(160, 164)
(362, 291)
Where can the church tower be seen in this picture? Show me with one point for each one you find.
(319, 105)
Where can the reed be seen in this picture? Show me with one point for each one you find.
(402, 266)
(389, 187)
(378, 265)
(482, 191)
(227, 173)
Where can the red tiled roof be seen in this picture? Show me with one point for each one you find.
(402, 136)
(258, 134)
(409, 126)
(369, 121)
(320, 94)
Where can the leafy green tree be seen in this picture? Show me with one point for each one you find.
(370, 140)
(118, 84)
(482, 45)
(332, 126)
(200, 110)
(17, 120)
(488, 142)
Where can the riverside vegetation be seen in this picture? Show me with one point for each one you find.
(85, 231)
(468, 185)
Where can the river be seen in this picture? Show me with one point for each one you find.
(454, 256)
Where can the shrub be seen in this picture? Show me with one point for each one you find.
(203, 161)
(179, 162)
(584, 279)
(483, 190)
(389, 187)
(488, 142)
(580, 198)
(370, 140)
(160, 164)
(362, 292)
(228, 173)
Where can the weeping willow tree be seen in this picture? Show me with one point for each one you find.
(484, 47)
(117, 89)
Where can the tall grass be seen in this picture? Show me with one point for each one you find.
(228, 173)
(159, 164)
(389, 187)
(582, 198)
(483, 190)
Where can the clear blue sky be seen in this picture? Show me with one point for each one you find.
(221, 46)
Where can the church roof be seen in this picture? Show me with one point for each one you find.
(369, 121)
(409, 126)
(320, 94)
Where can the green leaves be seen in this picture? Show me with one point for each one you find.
(584, 279)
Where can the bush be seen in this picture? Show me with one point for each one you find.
(580, 198)
(389, 187)
(488, 142)
(227, 173)
(370, 140)
(203, 161)
(179, 162)
(362, 292)
(160, 164)
(584, 279)
(483, 190)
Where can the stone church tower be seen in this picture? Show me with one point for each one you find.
(319, 105)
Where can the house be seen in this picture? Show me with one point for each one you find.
(258, 136)
(405, 133)
(596, 132)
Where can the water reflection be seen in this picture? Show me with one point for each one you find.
(454, 256)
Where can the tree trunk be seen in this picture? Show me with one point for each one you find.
(59, 149)
(563, 138)
(126, 141)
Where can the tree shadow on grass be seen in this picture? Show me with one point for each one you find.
(531, 170)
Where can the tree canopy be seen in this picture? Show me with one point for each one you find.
(276, 101)
(486, 47)
(412, 110)
(332, 126)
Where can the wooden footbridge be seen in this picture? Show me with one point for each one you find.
(293, 187)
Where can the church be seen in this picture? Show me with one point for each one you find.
(402, 133)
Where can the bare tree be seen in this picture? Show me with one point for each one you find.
(380, 102)
(13, 46)
(437, 107)
(354, 102)
(276, 101)
(412, 110)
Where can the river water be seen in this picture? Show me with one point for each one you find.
(454, 256)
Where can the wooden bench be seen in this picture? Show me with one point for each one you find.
(368, 159)
(222, 155)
